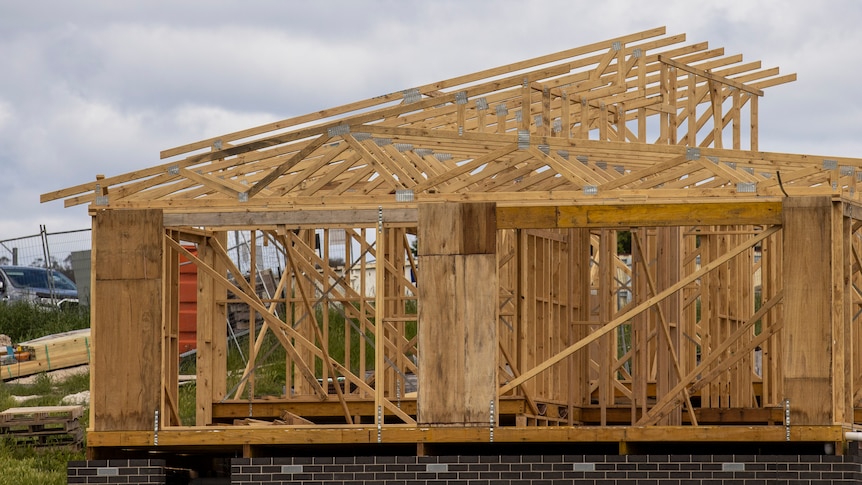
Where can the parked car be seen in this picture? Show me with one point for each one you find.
(41, 286)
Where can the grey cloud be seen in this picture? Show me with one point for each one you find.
(98, 86)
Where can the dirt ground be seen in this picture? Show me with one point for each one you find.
(56, 375)
(81, 398)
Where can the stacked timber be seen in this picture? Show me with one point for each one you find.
(286, 418)
(43, 426)
(50, 353)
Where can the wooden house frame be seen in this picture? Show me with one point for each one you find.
(732, 321)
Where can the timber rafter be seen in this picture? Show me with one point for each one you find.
(644, 115)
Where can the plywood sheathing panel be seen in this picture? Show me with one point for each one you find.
(809, 332)
(458, 311)
(452, 228)
(127, 319)
(457, 339)
(128, 250)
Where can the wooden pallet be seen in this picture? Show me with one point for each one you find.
(43, 425)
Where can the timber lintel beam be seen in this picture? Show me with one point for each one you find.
(639, 215)
(511, 217)
(290, 219)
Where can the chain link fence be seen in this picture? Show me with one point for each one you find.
(46, 249)
(55, 249)
(69, 253)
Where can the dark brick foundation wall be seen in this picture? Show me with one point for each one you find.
(116, 471)
(500, 470)
(550, 470)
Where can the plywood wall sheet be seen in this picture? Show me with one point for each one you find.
(479, 233)
(476, 278)
(127, 354)
(457, 228)
(807, 284)
(439, 229)
(457, 339)
(441, 354)
(810, 400)
(124, 246)
(127, 319)
(807, 335)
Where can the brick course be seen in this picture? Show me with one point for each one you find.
(552, 470)
(130, 472)
(501, 470)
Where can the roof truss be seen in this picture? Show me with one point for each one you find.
(639, 116)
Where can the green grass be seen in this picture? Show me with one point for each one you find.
(22, 321)
(29, 466)
(47, 391)
(24, 465)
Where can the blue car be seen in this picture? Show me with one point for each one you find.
(40, 286)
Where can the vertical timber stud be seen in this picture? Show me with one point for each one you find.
(458, 304)
(211, 333)
(814, 326)
(219, 325)
(206, 307)
(170, 335)
(127, 319)
(668, 268)
(842, 315)
(379, 314)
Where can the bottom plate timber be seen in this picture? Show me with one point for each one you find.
(237, 436)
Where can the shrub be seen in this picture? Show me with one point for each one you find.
(23, 321)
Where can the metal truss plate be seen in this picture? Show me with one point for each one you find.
(411, 95)
(404, 195)
(746, 187)
(338, 130)
(523, 139)
(692, 153)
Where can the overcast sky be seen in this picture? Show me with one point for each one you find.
(100, 87)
